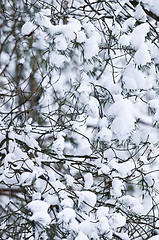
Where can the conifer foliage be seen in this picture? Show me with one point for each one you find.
(79, 119)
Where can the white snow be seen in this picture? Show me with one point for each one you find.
(117, 220)
(43, 18)
(104, 169)
(88, 180)
(69, 179)
(57, 59)
(71, 30)
(138, 35)
(123, 169)
(133, 78)
(124, 40)
(102, 211)
(154, 105)
(154, 6)
(154, 237)
(81, 37)
(117, 186)
(88, 228)
(104, 135)
(109, 118)
(91, 32)
(123, 236)
(81, 236)
(66, 215)
(142, 55)
(103, 224)
(59, 144)
(39, 209)
(92, 107)
(86, 200)
(27, 28)
(129, 23)
(26, 178)
(90, 43)
(133, 204)
(140, 14)
(74, 225)
(124, 122)
(103, 122)
(67, 202)
(61, 43)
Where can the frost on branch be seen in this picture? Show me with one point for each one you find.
(79, 120)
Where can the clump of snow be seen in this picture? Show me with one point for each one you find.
(86, 200)
(59, 144)
(88, 180)
(72, 29)
(61, 43)
(81, 236)
(81, 37)
(102, 211)
(140, 14)
(69, 179)
(103, 122)
(104, 135)
(104, 169)
(10, 157)
(69, 31)
(27, 178)
(138, 35)
(28, 139)
(73, 225)
(52, 200)
(124, 40)
(129, 23)
(103, 225)
(29, 164)
(123, 236)
(27, 28)
(123, 169)
(142, 55)
(154, 238)
(66, 215)
(88, 228)
(91, 31)
(85, 85)
(133, 78)
(124, 121)
(67, 202)
(57, 59)
(117, 186)
(117, 220)
(39, 209)
(43, 18)
(132, 204)
(36, 196)
(154, 6)
(92, 107)
(90, 43)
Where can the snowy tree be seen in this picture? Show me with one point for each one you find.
(79, 119)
